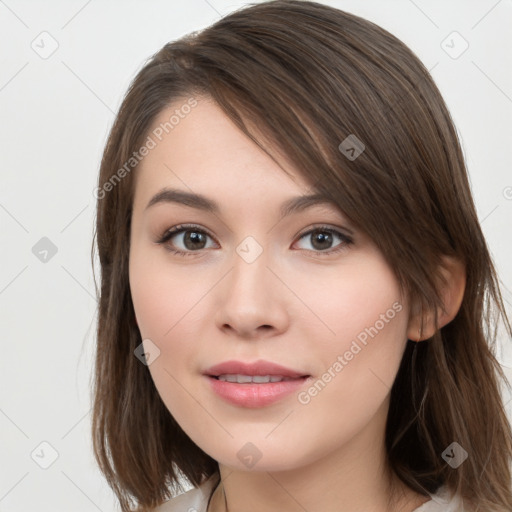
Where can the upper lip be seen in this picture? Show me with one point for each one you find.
(255, 368)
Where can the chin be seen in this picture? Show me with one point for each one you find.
(263, 456)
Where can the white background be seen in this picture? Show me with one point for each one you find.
(55, 116)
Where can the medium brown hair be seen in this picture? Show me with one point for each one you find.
(309, 76)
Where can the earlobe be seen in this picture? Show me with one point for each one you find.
(451, 289)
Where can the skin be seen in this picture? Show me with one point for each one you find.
(291, 306)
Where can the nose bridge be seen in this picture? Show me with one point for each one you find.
(250, 273)
(249, 297)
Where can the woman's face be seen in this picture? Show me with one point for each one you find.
(254, 285)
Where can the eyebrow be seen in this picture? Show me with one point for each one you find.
(200, 202)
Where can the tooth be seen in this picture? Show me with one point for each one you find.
(228, 377)
(261, 378)
(242, 379)
(258, 379)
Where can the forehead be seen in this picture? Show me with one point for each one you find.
(204, 150)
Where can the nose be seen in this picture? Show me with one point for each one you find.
(252, 299)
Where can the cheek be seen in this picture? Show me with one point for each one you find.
(357, 364)
(355, 299)
(364, 334)
(168, 314)
(169, 304)
(166, 298)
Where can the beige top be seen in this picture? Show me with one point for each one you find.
(196, 500)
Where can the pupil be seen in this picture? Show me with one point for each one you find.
(324, 238)
(195, 238)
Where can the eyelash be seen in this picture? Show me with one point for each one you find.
(169, 233)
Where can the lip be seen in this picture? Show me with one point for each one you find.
(256, 368)
(254, 395)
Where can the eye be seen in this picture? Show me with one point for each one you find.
(194, 239)
(322, 238)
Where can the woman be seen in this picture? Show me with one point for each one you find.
(297, 302)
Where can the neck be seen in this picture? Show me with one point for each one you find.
(355, 478)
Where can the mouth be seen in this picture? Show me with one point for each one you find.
(254, 385)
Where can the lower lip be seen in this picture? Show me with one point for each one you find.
(255, 395)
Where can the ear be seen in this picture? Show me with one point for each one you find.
(452, 286)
